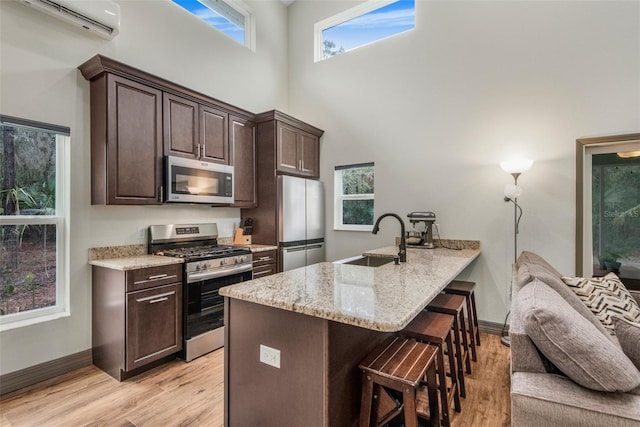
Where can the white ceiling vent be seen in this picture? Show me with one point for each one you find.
(101, 17)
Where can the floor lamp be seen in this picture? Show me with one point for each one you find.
(511, 193)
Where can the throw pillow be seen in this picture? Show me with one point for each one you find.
(528, 272)
(606, 297)
(573, 344)
(527, 257)
(629, 337)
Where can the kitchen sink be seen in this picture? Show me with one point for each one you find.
(368, 261)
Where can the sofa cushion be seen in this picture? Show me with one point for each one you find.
(629, 337)
(528, 272)
(527, 257)
(572, 343)
(606, 297)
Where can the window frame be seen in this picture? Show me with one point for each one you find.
(332, 21)
(339, 197)
(242, 8)
(585, 149)
(60, 219)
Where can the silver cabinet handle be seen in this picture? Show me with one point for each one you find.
(261, 273)
(156, 298)
(264, 258)
(198, 151)
(154, 278)
(204, 150)
(160, 193)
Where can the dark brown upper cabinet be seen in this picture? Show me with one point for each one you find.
(242, 147)
(194, 130)
(138, 118)
(297, 144)
(126, 142)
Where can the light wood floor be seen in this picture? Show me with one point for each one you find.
(191, 394)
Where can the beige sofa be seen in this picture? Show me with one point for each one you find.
(541, 393)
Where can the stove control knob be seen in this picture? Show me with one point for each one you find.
(197, 267)
(206, 266)
(223, 262)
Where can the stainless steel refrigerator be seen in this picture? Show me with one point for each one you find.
(301, 221)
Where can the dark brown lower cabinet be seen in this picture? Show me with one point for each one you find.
(136, 318)
(264, 263)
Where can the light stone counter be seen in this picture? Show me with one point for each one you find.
(129, 257)
(384, 298)
(136, 262)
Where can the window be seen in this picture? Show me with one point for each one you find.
(354, 197)
(610, 209)
(32, 221)
(232, 17)
(364, 24)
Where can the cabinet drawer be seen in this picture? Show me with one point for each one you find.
(264, 270)
(263, 257)
(153, 276)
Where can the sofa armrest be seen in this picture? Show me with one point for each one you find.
(636, 295)
(543, 400)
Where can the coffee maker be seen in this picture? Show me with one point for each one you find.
(421, 238)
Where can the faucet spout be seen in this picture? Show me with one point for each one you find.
(402, 253)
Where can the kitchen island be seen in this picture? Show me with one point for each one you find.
(313, 325)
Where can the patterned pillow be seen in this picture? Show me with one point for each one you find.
(606, 297)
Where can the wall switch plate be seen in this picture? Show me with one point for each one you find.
(270, 356)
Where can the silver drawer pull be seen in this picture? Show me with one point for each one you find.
(264, 258)
(261, 273)
(156, 298)
(156, 277)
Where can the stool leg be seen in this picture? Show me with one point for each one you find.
(454, 381)
(409, 403)
(456, 343)
(472, 330)
(442, 375)
(365, 403)
(465, 343)
(475, 318)
(432, 391)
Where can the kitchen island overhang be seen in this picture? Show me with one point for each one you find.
(320, 321)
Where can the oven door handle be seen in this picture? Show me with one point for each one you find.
(228, 271)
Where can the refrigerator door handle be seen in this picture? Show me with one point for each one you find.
(315, 246)
(303, 248)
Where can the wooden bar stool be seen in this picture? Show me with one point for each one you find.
(459, 287)
(401, 365)
(437, 329)
(453, 305)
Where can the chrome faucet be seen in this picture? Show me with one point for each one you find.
(402, 254)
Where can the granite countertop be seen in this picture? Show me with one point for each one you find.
(384, 298)
(129, 257)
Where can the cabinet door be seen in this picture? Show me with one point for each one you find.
(180, 120)
(288, 157)
(242, 143)
(134, 143)
(214, 142)
(310, 150)
(154, 324)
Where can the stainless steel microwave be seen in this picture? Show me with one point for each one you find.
(195, 181)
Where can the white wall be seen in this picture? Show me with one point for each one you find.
(39, 80)
(438, 108)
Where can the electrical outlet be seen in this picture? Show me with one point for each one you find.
(142, 233)
(270, 356)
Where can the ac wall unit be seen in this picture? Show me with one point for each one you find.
(101, 17)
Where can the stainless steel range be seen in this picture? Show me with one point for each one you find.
(208, 267)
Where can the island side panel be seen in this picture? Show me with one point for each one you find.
(259, 394)
(348, 346)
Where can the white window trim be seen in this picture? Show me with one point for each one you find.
(587, 239)
(62, 306)
(338, 223)
(249, 22)
(338, 19)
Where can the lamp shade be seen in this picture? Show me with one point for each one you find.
(516, 165)
(512, 191)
